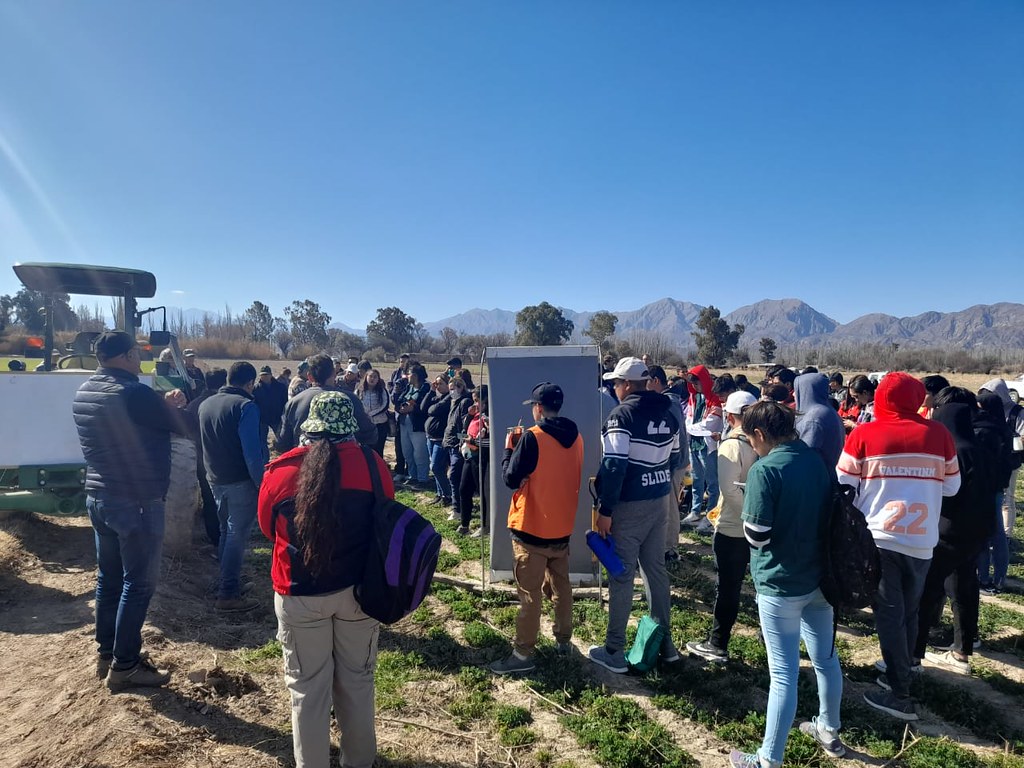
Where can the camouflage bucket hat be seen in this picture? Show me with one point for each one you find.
(331, 413)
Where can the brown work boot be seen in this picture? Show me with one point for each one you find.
(236, 604)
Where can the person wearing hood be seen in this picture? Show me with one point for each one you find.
(817, 422)
(544, 466)
(1014, 413)
(991, 426)
(963, 530)
(704, 427)
(640, 443)
(902, 465)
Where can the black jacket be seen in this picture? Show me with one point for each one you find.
(458, 420)
(124, 428)
(436, 407)
(271, 398)
(414, 419)
(967, 517)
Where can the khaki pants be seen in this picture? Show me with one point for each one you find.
(533, 565)
(330, 653)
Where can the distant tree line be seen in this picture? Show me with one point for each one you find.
(302, 328)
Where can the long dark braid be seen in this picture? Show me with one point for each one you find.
(315, 520)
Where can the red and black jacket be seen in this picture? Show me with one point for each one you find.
(354, 509)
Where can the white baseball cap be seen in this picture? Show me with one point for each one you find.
(629, 369)
(737, 401)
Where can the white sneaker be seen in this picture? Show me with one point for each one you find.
(948, 661)
(704, 526)
(915, 666)
(692, 519)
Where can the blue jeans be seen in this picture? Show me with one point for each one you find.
(456, 462)
(414, 448)
(784, 621)
(704, 468)
(236, 510)
(129, 538)
(439, 466)
(996, 552)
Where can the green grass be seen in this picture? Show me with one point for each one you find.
(510, 716)
(447, 562)
(512, 724)
(479, 635)
(517, 737)
(262, 657)
(474, 700)
(620, 735)
(959, 706)
(940, 753)
(589, 621)
(394, 670)
(728, 700)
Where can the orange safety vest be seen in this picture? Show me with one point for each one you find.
(545, 504)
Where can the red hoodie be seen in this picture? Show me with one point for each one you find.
(709, 419)
(705, 384)
(902, 466)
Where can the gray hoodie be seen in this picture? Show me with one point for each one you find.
(817, 422)
(998, 386)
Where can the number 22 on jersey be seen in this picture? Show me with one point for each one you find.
(901, 519)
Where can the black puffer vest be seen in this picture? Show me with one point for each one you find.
(125, 459)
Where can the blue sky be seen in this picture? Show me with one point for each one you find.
(439, 156)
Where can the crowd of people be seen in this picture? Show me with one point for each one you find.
(933, 465)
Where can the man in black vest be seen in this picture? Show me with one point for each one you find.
(124, 428)
(234, 455)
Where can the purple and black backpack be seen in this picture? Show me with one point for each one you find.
(402, 558)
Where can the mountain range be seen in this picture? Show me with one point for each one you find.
(788, 321)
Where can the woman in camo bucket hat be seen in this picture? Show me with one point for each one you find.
(316, 505)
(330, 414)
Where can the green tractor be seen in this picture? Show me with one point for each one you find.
(42, 469)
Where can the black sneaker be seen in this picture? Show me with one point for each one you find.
(886, 701)
(708, 652)
(142, 675)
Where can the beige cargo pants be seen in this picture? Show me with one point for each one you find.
(330, 654)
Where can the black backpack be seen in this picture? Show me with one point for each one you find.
(853, 568)
(402, 558)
